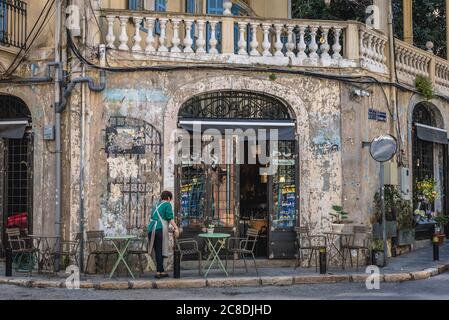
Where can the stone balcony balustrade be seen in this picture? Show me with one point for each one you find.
(156, 37)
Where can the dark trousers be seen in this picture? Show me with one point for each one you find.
(158, 250)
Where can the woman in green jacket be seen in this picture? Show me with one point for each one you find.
(161, 217)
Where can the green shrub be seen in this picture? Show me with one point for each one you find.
(425, 87)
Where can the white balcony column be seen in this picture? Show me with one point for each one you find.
(188, 41)
(266, 45)
(336, 48)
(279, 45)
(227, 6)
(325, 47)
(149, 40)
(175, 41)
(201, 42)
(163, 36)
(302, 46)
(254, 43)
(213, 42)
(110, 37)
(242, 38)
(290, 41)
(370, 49)
(313, 46)
(123, 35)
(137, 38)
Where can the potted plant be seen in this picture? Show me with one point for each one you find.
(339, 217)
(392, 197)
(426, 194)
(441, 221)
(406, 232)
(377, 253)
(210, 228)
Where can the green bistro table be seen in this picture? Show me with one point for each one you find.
(215, 249)
(116, 242)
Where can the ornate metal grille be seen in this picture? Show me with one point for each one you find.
(13, 108)
(235, 105)
(134, 169)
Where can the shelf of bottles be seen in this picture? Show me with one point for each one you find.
(284, 188)
(192, 196)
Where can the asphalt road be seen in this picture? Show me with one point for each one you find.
(436, 288)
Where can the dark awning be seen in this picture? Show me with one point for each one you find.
(431, 134)
(286, 128)
(13, 129)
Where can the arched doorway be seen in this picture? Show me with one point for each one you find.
(16, 165)
(430, 159)
(233, 194)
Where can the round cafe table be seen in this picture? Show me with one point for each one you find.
(215, 243)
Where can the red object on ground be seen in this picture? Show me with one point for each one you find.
(18, 221)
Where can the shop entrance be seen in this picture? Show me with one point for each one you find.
(16, 166)
(238, 195)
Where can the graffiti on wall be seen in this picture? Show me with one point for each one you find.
(325, 143)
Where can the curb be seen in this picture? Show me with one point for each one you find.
(229, 282)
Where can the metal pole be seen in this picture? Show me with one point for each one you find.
(384, 219)
(82, 153)
(57, 136)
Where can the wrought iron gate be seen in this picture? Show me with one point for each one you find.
(137, 145)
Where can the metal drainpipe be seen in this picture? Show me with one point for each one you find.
(57, 135)
(82, 151)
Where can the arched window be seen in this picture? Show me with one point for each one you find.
(423, 157)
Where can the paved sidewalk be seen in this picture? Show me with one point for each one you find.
(412, 266)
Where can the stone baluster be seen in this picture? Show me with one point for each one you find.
(110, 37)
(175, 40)
(336, 48)
(291, 44)
(213, 38)
(378, 51)
(384, 56)
(188, 41)
(123, 35)
(399, 59)
(363, 50)
(325, 47)
(302, 43)
(137, 38)
(266, 45)
(370, 49)
(279, 45)
(163, 35)
(149, 40)
(242, 39)
(313, 46)
(201, 42)
(254, 43)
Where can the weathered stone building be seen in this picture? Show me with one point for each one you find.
(328, 85)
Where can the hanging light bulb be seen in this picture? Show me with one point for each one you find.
(327, 3)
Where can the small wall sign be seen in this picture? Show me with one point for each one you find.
(377, 115)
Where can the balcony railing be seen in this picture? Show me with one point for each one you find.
(13, 23)
(238, 40)
(143, 35)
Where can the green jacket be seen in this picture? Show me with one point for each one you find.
(166, 213)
